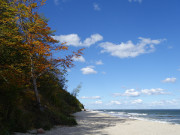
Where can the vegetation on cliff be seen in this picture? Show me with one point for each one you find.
(32, 79)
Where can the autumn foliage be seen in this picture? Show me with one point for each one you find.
(30, 75)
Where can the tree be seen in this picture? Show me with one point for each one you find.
(38, 44)
(76, 91)
(10, 38)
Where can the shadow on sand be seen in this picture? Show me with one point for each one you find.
(90, 124)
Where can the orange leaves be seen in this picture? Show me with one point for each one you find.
(64, 43)
(11, 73)
(38, 41)
(43, 2)
(79, 52)
(61, 48)
(33, 5)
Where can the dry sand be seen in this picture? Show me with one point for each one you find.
(93, 123)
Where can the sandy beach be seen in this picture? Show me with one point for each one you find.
(94, 123)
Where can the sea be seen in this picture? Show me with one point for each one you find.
(159, 115)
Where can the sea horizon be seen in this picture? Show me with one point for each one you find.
(159, 115)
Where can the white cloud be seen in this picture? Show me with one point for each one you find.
(131, 93)
(96, 7)
(115, 102)
(93, 97)
(99, 62)
(79, 58)
(129, 49)
(134, 93)
(137, 101)
(98, 102)
(157, 91)
(170, 80)
(74, 40)
(88, 70)
(139, 1)
(93, 39)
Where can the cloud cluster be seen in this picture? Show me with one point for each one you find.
(129, 93)
(170, 80)
(157, 91)
(129, 49)
(93, 97)
(75, 40)
(137, 101)
(134, 93)
(88, 70)
(123, 50)
(115, 103)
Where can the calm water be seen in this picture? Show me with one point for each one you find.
(164, 115)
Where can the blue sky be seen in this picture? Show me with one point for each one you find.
(131, 58)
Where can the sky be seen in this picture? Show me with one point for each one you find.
(132, 51)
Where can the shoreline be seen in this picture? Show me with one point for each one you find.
(136, 118)
(97, 123)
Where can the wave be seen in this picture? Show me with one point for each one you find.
(138, 114)
(96, 111)
(167, 118)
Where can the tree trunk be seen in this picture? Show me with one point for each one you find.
(35, 90)
(36, 93)
(34, 79)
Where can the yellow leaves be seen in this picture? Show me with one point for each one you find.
(22, 6)
(17, 18)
